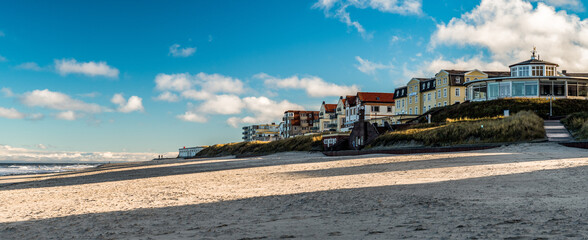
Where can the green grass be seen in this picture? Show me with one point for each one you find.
(540, 106)
(577, 123)
(301, 143)
(523, 126)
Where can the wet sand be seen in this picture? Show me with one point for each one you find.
(525, 191)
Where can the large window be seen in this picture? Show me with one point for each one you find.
(518, 89)
(572, 89)
(545, 88)
(552, 88)
(531, 89)
(479, 91)
(499, 90)
(523, 71)
(550, 71)
(444, 92)
(457, 92)
(537, 70)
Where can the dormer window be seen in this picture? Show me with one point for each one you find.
(457, 79)
(537, 70)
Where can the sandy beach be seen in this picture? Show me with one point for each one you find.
(524, 191)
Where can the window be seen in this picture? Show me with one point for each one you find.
(375, 108)
(409, 100)
(416, 98)
(537, 70)
(410, 111)
(438, 93)
(416, 111)
(444, 80)
(444, 103)
(424, 109)
(389, 109)
(467, 79)
(457, 92)
(444, 92)
(550, 71)
(402, 102)
(518, 89)
(429, 96)
(457, 79)
(513, 72)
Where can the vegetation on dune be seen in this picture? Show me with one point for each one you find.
(301, 143)
(577, 123)
(523, 126)
(476, 110)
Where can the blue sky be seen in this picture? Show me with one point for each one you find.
(152, 76)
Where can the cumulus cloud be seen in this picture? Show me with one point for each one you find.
(264, 110)
(29, 66)
(338, 9)
(67, 115)
(368, 67)
(430, 68)
(58, 101)
(560, 37)
(167, 97)
(176, 51)
(7, 92)
(222, 104)
(15, 154)
(69, 66)
(11, 113)
(196, 87)
(314, 86)
(133, 104)
(192, 117)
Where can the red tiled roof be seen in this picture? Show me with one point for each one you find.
(376, 97)
(351, 100)
(330, 107)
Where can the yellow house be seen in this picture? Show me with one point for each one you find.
(450, 88)
(428, 93)
(415, 100)
(401, 101)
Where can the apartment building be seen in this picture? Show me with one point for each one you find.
(297, 122)
(262, 132)
(401, 100)
(428, 94)
(375, 105)
(341, 112)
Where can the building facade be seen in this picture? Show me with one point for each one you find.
(341, 113)
(375, 105)
(262, 132)
(297, 122)
(328, 117)
(533, 78)
(189, 152)
(400, 98)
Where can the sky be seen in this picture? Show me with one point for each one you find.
(124, 80)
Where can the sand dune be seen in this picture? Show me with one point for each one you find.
(518, 191)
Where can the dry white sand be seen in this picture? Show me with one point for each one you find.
(526, 191)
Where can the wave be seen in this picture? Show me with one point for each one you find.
(19, 169)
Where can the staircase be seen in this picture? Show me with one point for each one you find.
(556, 132)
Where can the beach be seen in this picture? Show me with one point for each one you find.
(520, 191)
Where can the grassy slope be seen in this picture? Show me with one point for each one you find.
(577, 123)
(302, 143)
(561, 107)
(522, 126)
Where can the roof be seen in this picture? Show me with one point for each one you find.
(576, 74)
(533, 61)
(330, 107)
(455, 72)
(351, 100)
(375, 97)
(497, 74)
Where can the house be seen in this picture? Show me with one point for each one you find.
(450, 87)
(428, 94)
(328, 117)
(262, 132)
(299, 122)
(189, 152)
(375, 104)
(364, 132)
(400, 99)
(341, 113)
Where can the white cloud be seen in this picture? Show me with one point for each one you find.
(568, 4)
(11, 113)
(338, 9)
(29, 66)
(176, 51)
(15, 154)
(430, 68)
(41, 146)
(222, 104)
(68, 66)
(368, 67)
(7, 92)
(560, 37)
(167, 97)
(264, 110)
(3, 59)
(192, 117)
(67, 115)
(89, 95)
(314, 86)
(35, 116)
(58, 101)
(133, 104)
(197, 87)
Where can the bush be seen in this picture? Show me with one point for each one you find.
(577, 123)
(301, 143)
(523, 126)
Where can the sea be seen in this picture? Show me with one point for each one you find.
(38, 168)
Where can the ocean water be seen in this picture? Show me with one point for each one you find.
(37, 168)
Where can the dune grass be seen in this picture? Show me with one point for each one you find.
(301, 143)
(577, 124)
(475, 110)
(523, 126)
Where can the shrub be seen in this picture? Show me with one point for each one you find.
(577, 123)
(523, 126)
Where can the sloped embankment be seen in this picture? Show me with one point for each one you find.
(302, 143)
(523, 126)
